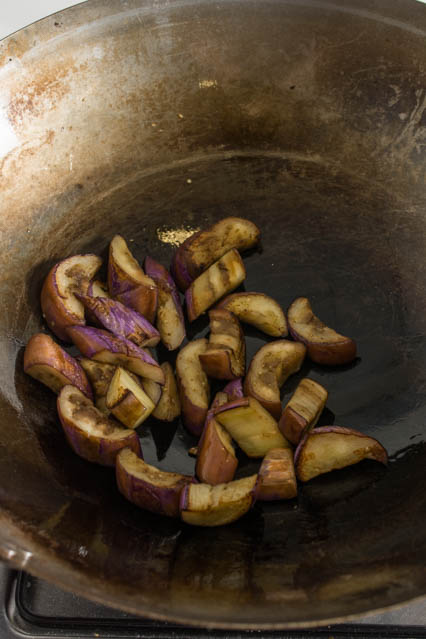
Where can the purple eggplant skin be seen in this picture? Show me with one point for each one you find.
(62, 369)
(121, 320)
(162, 500)
(162, 277)
(179, 267)
(98, 448)
(170, 317)
(234, 389)
(91, 342)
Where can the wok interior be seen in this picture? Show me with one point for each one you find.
(304, 119)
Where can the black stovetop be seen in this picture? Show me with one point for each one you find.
(34, 608)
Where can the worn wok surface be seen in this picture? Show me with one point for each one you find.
(145, 118)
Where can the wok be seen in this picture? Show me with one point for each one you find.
(146, 118)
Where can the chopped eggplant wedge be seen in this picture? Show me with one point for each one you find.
(225, 357)
(216, 460)
(127, 281)
(121, 320)
(48, 363)
(96, 289)
(100, 376)
(102, 346)
(89, 432)
(277, 479)
(269, 369)
(205, 505)
(251, 426)
(200, 250)
(152, 389)
(168, 407)
(170, 318)
(148, 487)
(218, 280)
(324, 345)
(303, 410)
(331, 447)
(194, 389)
(59, 304)
(127, 400)
(258, 310)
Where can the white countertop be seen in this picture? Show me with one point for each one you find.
(15, 14)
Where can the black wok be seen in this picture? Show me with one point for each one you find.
(145, 117)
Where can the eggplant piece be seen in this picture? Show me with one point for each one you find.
(303, 410)
(332, 447)
(194, 389)
(168, 407)
(205, 505)
(277, 479)
(269, 369)
(170, 319)
(48, 363)
(102, 346)
(121, 320)
(216, 460)
(200, 250)
(127, 400)
(148, 487)
(251, 426)
(258, 310)
(324, 345)
(59, 305)
(89, 432)
(225, 356)
(100, 376)
(152, 389)
(127, 281)
(218, 280)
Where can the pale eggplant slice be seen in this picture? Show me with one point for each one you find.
(89, 432)
(218, 280)
(170, 319)
(152, 389)
(225, 357)
(193, 384)
(48, 363)
(251, 426)
(324, 345)
(127, 400)
(59, 305)
(102, 346)
(303, 410)
(216, 460)
(269, 369)
(168, 407)
(127, 281)
(277, 478)
(258, 310)
(148, 487)
(100, 376)
(331, 447)
(205, 505)
(121, 320)
(200, 250)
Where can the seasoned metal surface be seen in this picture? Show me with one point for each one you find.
(146, 119)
